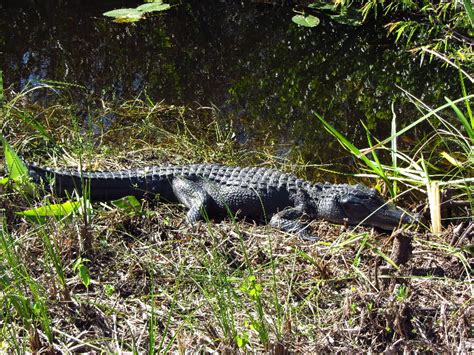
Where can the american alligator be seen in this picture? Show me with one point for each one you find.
(211, 190)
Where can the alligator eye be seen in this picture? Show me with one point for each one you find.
(356, 204)
(351, 201)
(345, 199)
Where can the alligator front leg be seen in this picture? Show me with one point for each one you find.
(288, 221)
(191, 194)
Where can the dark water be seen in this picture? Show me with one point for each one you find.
(266, 75)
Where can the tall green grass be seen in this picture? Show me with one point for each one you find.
(25, 301)
(451, 143)
(22, 298)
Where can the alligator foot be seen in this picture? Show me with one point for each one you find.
(193, 196)
(307, 236)
(288, 221)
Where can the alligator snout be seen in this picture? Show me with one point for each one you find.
(365, 206)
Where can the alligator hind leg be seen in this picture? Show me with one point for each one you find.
(288, 221)
(192, 194)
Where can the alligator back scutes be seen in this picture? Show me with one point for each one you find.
(262, 178)
(328, 189)
(248, 177)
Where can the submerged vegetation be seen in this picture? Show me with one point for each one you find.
(130, 275)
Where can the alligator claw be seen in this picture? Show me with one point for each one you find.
(306, 236)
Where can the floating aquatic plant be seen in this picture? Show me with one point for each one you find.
(137, 13)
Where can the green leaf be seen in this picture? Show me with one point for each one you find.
(17, 170)
(129, 204)
(306, 21)
(462, 119)
(4, 180)
(82, 271)
(30, 120)
(123, 13)
(307, 257)
(40, 214)
(152, 7)
(451, 159)
(136, 14)
(242, 339)
(84, 275)
(109, 289)
(469, 10)
(350, 147)
(127, 19)
(322, 6)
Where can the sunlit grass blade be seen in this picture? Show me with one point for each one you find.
(383, 255)
(469, 10)
(167, 325)
(464, 92)
(36, 125)
(129, 204)
(394, 149)
(462, 119)
(417, 122)
(62, 84)
(17, 170)
(380, 168)
(58, 211)
(152, 322)
(453, 161)
(349, 146)
(21, 290)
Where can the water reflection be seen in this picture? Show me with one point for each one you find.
(266, 75)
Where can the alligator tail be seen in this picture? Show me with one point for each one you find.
(98, 186)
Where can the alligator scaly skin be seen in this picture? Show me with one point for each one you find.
(212, 190)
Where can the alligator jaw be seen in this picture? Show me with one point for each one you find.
(360, 205)
(389, 217)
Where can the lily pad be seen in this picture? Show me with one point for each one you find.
(152, 7)
(123, 13)
(306, 21)
(128, 19)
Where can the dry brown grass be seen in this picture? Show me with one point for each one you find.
(333, 297)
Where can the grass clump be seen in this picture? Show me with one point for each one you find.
(149, 283)
(442, 159)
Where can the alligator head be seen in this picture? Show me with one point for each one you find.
(361, 205)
